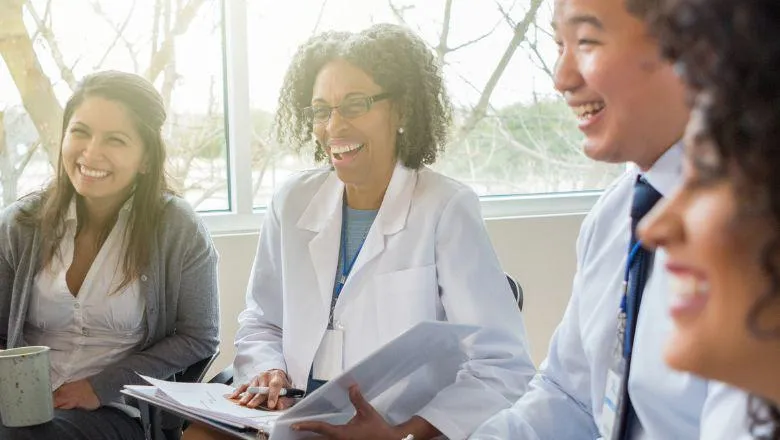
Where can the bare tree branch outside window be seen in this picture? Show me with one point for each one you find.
(505, 139)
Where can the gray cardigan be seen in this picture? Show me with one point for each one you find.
(180, 287)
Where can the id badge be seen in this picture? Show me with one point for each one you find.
(329, 359)
(611, 402)
(612, 407)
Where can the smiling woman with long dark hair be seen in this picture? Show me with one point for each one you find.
(722, 229)
(106, 265)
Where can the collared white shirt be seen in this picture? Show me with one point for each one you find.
(97, 327)
(565, 400)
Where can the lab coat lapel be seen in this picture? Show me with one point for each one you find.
(323, 216)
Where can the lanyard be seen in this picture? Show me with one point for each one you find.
(624, 301)
(629, 263)
(345, 268)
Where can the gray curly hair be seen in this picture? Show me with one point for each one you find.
(399, 62)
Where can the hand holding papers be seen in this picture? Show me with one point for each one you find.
(204, 399)
(366, 423)
(274, 381)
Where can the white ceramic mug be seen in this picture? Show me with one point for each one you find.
(25, 386)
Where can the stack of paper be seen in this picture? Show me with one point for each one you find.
(207, 400)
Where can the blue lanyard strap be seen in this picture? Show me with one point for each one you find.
(631, 259)
(629, 263)
(627, 334)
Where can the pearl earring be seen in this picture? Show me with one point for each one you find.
(400, 130)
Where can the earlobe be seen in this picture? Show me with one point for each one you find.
(398, 117)
(400, 123)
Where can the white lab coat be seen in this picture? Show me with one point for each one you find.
(426, 257)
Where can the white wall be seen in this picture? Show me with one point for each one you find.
(537, 251)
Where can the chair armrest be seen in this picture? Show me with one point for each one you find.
(225, 376)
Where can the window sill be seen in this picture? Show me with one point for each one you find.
(493, 207)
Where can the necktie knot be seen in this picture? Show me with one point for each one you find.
(645, 197)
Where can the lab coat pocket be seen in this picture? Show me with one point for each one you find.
(404, 298)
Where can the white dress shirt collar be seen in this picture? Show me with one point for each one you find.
(665, 173)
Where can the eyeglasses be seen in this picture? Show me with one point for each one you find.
(350, 108)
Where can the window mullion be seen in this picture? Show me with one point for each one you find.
(237, 112)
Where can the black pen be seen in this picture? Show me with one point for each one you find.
(286, 392)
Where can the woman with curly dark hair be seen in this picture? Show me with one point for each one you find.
(722, 229)
(354, 254)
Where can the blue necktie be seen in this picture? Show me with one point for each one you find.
(645, 197)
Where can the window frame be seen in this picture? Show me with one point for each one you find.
(243, 218)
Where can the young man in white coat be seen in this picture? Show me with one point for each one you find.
(604, 376)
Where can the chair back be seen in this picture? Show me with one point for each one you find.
(197, 371)
(517, 291)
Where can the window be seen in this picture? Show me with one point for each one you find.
(49, 45)
(515, 141)
(527, 141)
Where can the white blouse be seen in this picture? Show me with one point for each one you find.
(95, 328)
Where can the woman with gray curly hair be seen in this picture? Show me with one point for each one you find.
(354, 254)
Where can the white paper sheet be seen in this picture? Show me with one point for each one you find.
(425, 343)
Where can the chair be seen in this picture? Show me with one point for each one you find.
(225, 376)
(517, 291)
(197, 371)
(159, 425)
